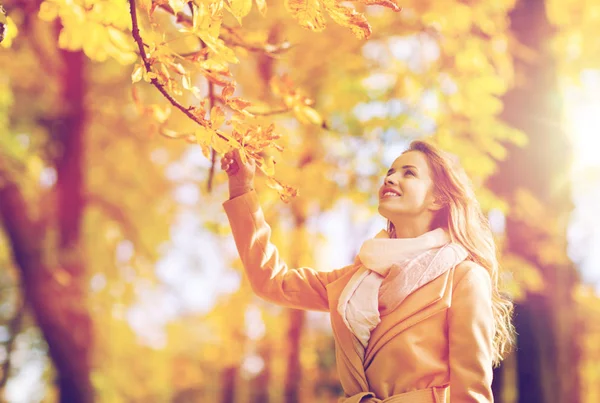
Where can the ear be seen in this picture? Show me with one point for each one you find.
(435, 204)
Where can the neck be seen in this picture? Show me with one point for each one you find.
(411, 227)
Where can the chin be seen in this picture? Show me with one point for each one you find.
(384, 212)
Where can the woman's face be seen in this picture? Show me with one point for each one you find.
(408, 187)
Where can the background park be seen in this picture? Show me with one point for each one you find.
(119, 279)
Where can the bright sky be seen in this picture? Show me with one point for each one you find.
(582, 112)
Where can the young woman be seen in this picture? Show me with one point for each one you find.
(417, 318)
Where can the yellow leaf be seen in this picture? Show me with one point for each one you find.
(348, 17)
(186, 82)
(262, 7)
(177, 5)
(309, 13)
(205, 150)
(384, 3)
(161, 114)
(120, 39)
(138, 73)
(306, 114)
(217, 117)
(178, 68)
(217, 46)
(240, 8)
(267, 166)
(204, 135)
(48, 11)
(274, 184)
(149, 76)
(220, 145)
(9, 31)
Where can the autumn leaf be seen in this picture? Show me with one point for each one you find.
(177, 5)
(262, 7)
(238, 104)
(204, 135)
(348, 17)
(217, 117)
(240, 8)
(161, 114)
(384, 3)
(267, 166)
(228, 91)
(138, 73)
(306, 114)
(220, 145)
(309, 13)
(3, 23)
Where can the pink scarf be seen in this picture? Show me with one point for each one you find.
(391, 270)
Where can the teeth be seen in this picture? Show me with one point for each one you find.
(390, 194)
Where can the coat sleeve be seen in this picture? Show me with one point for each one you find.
(269, 276)
(471, 333)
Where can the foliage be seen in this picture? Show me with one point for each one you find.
(326, 103)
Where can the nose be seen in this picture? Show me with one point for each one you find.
(390, 180)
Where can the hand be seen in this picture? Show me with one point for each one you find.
(241, 175)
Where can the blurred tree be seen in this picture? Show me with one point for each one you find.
(343, 104)
(534, 180)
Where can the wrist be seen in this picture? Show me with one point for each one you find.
(238, 190)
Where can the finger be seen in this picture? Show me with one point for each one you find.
(236, 154)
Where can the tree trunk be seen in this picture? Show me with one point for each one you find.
(546, 368)
(57, 295)
(228, 378)
(295, 317)
(294, 368)
(260, 385)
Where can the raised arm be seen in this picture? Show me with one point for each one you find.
(471, 332)
(269, 276)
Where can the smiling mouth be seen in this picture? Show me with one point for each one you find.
(389, 195)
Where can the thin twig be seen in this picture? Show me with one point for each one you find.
(272, 112)
(135, 31)
(213, 153)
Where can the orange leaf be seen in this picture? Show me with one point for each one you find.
(238, 103)
(309, 13)
(228, 91)
(348, 17)
(217, 117)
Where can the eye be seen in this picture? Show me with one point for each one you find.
(409, 172)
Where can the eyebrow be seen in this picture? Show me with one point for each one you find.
(392, 170)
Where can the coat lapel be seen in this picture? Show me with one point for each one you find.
(418, 306)
(344, 337)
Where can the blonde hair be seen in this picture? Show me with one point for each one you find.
(461, 215)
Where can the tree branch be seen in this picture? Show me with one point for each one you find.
(135, 31)
(213, 153)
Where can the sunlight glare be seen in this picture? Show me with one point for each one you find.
(582, 108)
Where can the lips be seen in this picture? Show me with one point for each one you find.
(389, 192)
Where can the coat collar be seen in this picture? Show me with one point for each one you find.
(421, 304)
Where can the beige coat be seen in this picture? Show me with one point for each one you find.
(440, 336)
